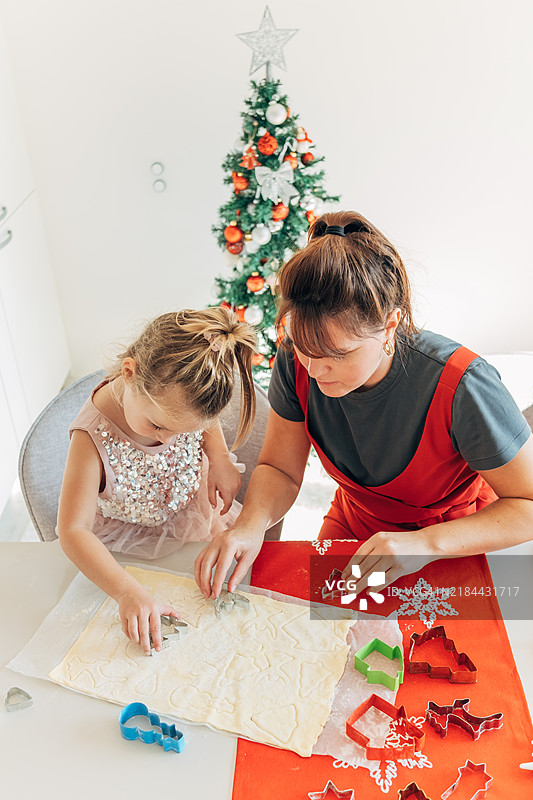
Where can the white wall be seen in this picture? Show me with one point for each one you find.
(422, 109)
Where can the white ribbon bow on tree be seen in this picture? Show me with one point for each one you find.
(276, 184)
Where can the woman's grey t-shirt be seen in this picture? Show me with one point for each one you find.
(371, 436)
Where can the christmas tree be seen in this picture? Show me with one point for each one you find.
(277, 192)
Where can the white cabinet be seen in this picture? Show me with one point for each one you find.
(34, 360)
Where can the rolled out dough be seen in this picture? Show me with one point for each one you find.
(268, 674)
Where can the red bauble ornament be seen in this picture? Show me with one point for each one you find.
(239, 182)
(271, 361)
(249, 159)
(225, 304)
(267, 144)
(307, 158)
(240, 312)
(293, 161)
(280, 211)
(310, 216)
(257, 358)
(255, 282)
(235, 247)
(232, 233)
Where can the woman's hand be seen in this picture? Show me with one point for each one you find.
(240, 544)
(140, 614)
(223, 478)
(394, 553)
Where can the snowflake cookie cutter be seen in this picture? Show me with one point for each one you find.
(458, 714)
(377, 675)
(226, 601)
(17, 699)
(413, 737)
(474, 768)
(168, 736)
(342, 794)
(469, 675)
(172, 629)
(412, 792)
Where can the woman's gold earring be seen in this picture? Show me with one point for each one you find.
(388, 347)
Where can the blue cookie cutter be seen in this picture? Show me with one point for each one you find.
(170, 737)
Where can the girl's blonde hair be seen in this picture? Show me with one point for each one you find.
(199, 351)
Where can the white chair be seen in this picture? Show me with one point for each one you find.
(44, 450)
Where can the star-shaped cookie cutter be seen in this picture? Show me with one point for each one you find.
(342, 794)
(471, 767)
(412, 792)
(413, 736)
(377, 675)
(168, 736)
(226, 601)
(424, 668)
(172, 630)
(458, 714)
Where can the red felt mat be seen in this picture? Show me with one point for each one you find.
(263, 772)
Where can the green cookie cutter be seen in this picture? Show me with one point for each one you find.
(377, 675)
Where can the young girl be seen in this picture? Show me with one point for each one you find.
(147, 457)
(431, 455)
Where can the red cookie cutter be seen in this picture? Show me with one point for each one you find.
(424, 668)
(458, 714)
(412, 792)
(471, 767)
(414, 736)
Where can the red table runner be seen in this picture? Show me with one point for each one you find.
(294, 568)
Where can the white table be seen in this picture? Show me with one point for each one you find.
(68, 745)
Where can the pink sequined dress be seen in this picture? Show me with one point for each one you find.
(155, 498)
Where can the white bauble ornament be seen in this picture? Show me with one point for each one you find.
(295, 200)
(319, 207)
(253, 315)
(275, 225)
(261, 131)
(251, 207)
(251, 247)
(303, 147)
(307, 202)
(276, 113)
(261, 235)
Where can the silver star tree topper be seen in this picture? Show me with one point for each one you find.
(267, 43)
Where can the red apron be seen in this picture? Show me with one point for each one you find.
(437, 485)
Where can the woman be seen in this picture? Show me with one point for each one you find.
(432, 456)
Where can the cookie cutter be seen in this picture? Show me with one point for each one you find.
(172, 629)
(458, 714)
(329, 594)
(170, 737)
(423, 667)
(412, 792)
(413, 736)
(226, 601)
(16, 699)
(342, 794)
(471, 767)
(377, 675)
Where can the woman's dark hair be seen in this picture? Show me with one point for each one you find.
(356, 279)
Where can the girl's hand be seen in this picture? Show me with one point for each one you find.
(395, 553)
(140, 614)
(241, 545)
(223, 478)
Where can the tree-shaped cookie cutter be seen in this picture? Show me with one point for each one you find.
(458, 714)
(377, 675)
(412, 792)
(425, 668)
(226, 601)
